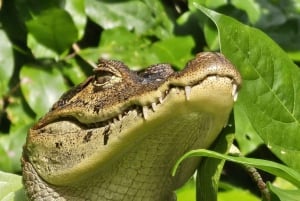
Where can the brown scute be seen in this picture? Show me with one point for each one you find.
(87, 137)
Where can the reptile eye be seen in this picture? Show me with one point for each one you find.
(107, 74)
(103, 78)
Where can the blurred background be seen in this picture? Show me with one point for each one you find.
(49, 46)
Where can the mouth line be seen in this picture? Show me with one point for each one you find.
(141, 110)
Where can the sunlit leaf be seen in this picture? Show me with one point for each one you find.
(6, 63)
(210, 169)
(40, 50)
(271, 167)
(53, 29)
(163, 26)
(178, 54)
(251, 7)
(237, 194)
(41, 87)
(134, 15)
(123, 45)
(5, 162)
(11, 187)
(15, 143)
(73, 71)
(283, 195)
(77, 10)
(270, 94)
(187, 192)
(247, 137)
(210, 3)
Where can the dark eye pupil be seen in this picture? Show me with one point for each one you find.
(103, 77)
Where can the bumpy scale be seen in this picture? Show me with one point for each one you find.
(117, 135)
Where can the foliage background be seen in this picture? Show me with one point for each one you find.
(49, 46)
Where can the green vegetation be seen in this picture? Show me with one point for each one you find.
(49, 46)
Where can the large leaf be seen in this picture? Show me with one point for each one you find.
(6, 63)
(41, 87)
(270, 96)
(237, 194)
(52, 31)
(210, 169)
(251, 7)
(284, 195)
(20, 119)
(11, 145)
(247, 137)
(11, 187)
(123, 45)
(177, 54)
(163, 26)
(274, 168)
(187, 192)
(137, 52)
(11, 148)
(73, 71)
(77, 10)
(134, 15)
(5, 162)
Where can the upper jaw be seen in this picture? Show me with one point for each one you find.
(203, 66)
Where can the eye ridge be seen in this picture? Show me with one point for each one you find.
(103, 77)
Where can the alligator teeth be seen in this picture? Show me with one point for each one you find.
(160, 99)
(234, 92)
(235, 96)
(145, 112)
(115, 120)
(120, 117)
(153, 105)
(188, 91)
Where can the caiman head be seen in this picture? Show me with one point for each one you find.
(117, 135)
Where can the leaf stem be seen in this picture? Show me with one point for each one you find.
(256, 177)
(254, 174)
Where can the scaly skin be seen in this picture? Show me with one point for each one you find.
(118, 135)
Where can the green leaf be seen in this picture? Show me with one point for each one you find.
(270, 14)
(246, 136)
(21, 118)
(77, 10)
(73, 71)
(237, 194)
(18, 112)
(134, 15)
(41, 87)
(11, 187)
(186, 192)
(174, 50)
(53, 29)
(282, 194)
(40, 50)
(163, 26)
(5, 162)
(210, 169)
(210, 3)
(211, 36)
(15, 142)
(136, 51)
(270, 94)
(271, 167)
(286, 35)
(123, 45)
(251, 7)
(6, 63)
